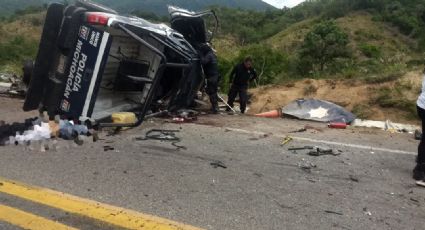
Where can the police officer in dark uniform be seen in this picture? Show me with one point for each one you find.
(210, 66)
(240, 77)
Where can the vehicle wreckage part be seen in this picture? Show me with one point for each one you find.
(155, 82)
(45, 54)
(97, 18)
(141, 40)
(57, 76)
(91, 6)
(27, 71)
(124, 118)
(143, 110)
(160, 135)
(186, 56)
(177, 14)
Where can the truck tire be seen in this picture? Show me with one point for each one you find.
(47, 51)
(27, 70)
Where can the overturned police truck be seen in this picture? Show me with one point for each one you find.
(93, 62)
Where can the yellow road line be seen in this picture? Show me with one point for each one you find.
(29, 221)
(109, 214)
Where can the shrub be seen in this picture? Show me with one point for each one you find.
(310, 90)
(17, 50)
(362, 111)
(324, 44)
(383, 78)
(387, 97)
(268, 63)
(370, 51)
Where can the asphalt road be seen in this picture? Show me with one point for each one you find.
(264, 186)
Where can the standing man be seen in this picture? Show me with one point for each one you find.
(210, 66)
(240, 77)
(419, 171)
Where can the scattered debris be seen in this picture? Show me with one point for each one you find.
(367, 212)
(124, 118)
(161, 135)
(79, 140)
(312, 180)
(270, 114)
(306, 166)
(158, 114)
(260, 137)
(295, 149)
(178, 120)
(333, 212)
(108, 148)
(178, 146)
(318, 110)
(414, 200)
(385, 125)
(185, 115)
(12, 86)
(286, 140)
(313, 128)
(301, 148)
(321, 152)
(95, 135)
(299, 130)
(420, 183)
(418, 135)
(354, 178)
(218, 164)
(337, 125)
(258, 175)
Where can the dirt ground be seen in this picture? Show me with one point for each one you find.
(346, 93)
(12, 110)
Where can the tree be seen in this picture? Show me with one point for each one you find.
(323, 44)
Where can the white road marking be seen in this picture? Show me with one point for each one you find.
(365, 147)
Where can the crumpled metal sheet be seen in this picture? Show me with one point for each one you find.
(318, 110)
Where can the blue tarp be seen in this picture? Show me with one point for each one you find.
(318, 110)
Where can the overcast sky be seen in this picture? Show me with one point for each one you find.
(282, 3)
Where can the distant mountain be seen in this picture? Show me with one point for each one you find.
(159, 7)
(8, 7)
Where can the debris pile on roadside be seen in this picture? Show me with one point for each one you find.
(386, 125)
(336, 116)
(185, 115)
(11, 86)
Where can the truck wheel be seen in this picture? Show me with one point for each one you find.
(27, 70)
(46, 53)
